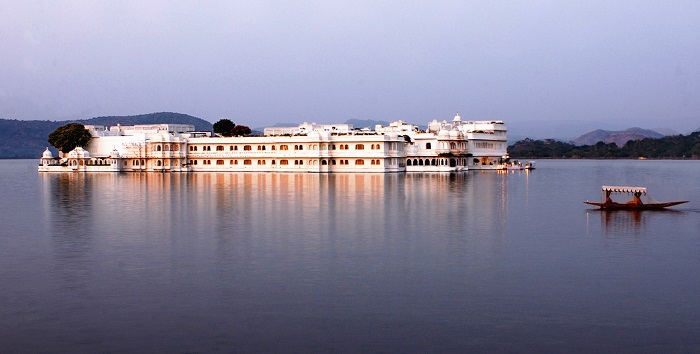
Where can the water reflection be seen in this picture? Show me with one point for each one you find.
(629, 222)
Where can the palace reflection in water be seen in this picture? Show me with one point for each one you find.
(266, 262)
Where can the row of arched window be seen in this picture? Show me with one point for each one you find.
(167, 147)
(274, 147)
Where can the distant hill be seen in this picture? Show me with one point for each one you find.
(364, 123)
(668, 147)
(618, 137)
(26, 139)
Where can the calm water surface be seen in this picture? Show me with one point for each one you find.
(247, 262)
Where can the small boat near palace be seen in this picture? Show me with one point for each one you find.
(635, 203)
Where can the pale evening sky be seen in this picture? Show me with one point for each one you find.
(634, 63)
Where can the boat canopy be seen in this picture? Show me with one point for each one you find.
(623, 189)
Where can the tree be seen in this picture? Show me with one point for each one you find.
(240, 130)
(223, 127)
(67, 137)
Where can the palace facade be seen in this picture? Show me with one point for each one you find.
(446, 146)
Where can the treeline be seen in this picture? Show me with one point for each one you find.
(669, 147)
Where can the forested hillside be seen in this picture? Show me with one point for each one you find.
(27, 139)
(670, 147)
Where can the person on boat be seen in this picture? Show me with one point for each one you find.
(636, 200)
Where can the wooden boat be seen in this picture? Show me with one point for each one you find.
(635, 204)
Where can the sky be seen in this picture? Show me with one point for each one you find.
(567, 63)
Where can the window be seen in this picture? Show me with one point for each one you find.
(230, 148)
(284, 147)
(208, 148)
(359, 146)
(359, 162)
(333, 147)
(247, 162)
(346, 147)
(324, 162)
(219, 148)
(333, 162)
(158, 148)
(273, 148)
(167, 147)
(428, 146)
(195, 162)
(261, 147)
(247, 148)
(235, 148)
(284, 162)
(342, 147)
(220, 162)
(261, 162)
(230, 162)
(274, 161)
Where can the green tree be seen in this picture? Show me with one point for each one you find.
(224, 127)
(67, 137)
(240, 130)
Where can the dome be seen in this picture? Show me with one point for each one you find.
(47, 154)
(457, 118)
(79, 153)
(443, 134)
(454, 134)
(114, 154)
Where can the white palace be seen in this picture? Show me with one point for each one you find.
(447, 146)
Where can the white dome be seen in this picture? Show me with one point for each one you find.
(454, 134)
(79, 153)
(47, 154)
(114, 154)
(457, 118)
(443, 134)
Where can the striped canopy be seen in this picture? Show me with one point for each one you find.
(623, 189)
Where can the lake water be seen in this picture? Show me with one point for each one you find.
(247, 262)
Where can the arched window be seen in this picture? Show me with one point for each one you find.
(359, 146)
(158, 148)
(333, 147)
(427, 162)
(219, 162)
(324, 162)
(359, 162)
(420, 162)
(247, 148)
(230, 148)
(408, 162)
(346, 147)
(247, 162)
(167, 147)
(415, 162)
(235, 148)
(428, 146)
(158, 163)
(219, 148)
(284, 147)
(273, 148)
